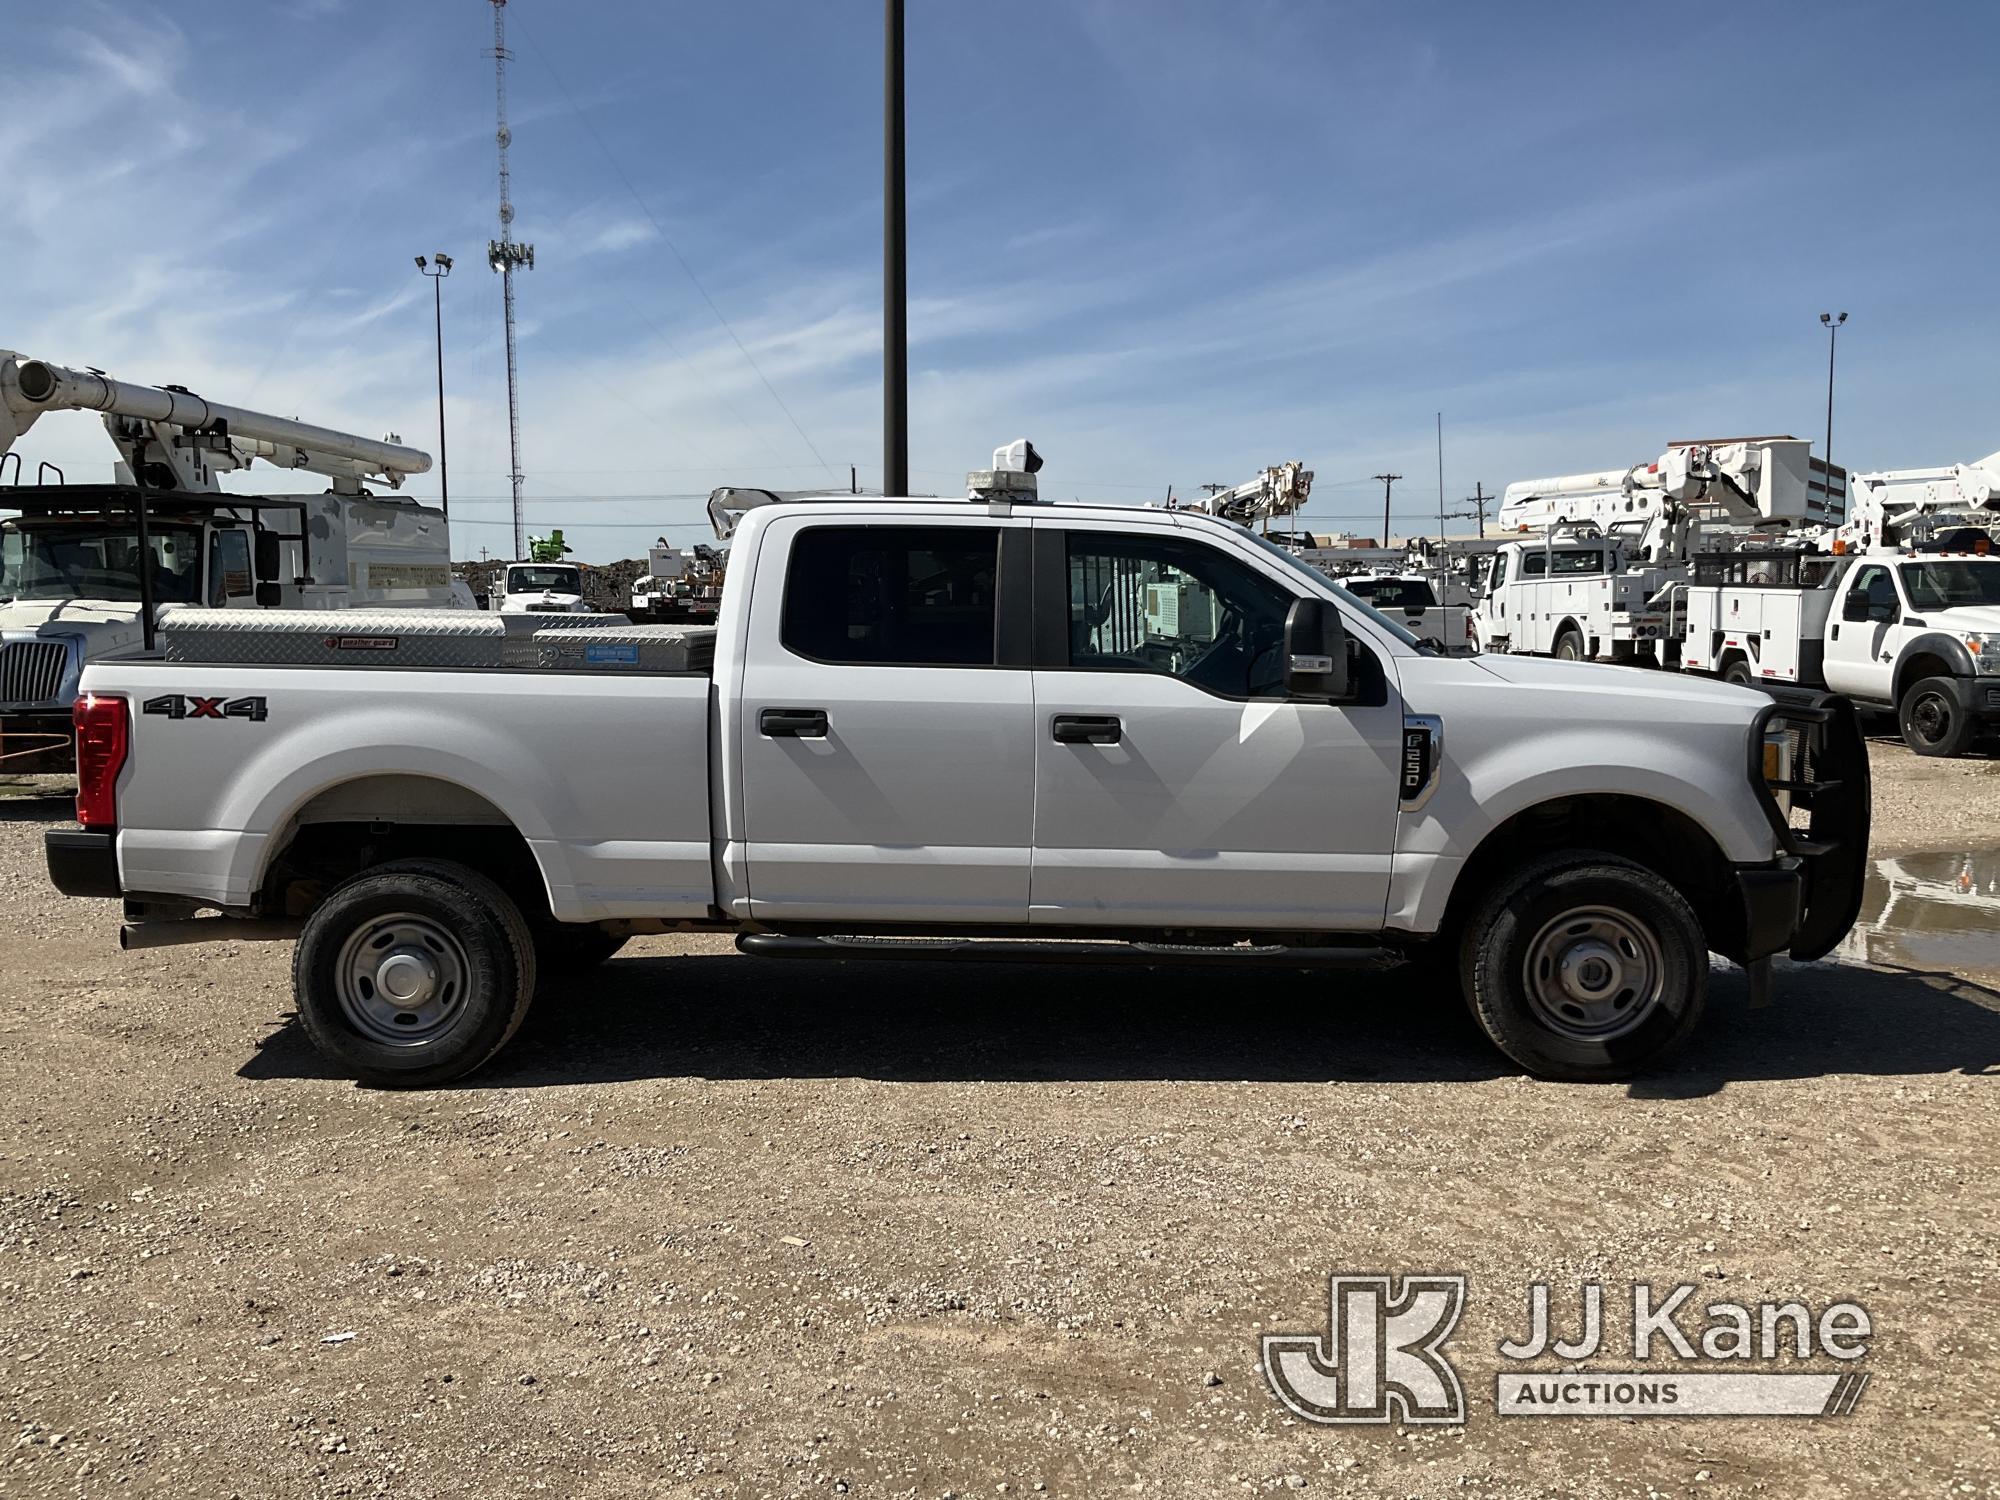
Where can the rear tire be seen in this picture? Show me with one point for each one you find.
(1569, 646)
(1738, 672)
(1931, 719)
(1584, 967)
(414, 973)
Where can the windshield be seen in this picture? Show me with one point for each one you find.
(1950, 585)
(97, 560)
(543, 580)
(1393, 593)
(1323, 584)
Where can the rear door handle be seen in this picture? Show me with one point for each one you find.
(1088, 729)
(793, 723)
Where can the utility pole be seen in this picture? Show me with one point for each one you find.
(437, 268)
(1478, 500)
(895, 266)
(503, 255)
(1388, 484)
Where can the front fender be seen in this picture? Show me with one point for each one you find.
(1947, 648)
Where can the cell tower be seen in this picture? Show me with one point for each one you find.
(503, 255)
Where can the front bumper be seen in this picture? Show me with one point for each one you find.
(83, 861)
(1803, 902)
(1978, 698)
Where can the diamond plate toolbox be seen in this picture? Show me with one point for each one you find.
(628, 648)
(363, 637)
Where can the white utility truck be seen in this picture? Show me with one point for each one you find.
(72, 590)
(542, 588)
(970, 730)
(679, 586)
(1589, 585)
(1904, 616)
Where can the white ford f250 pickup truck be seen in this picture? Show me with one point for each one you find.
(1019, 731)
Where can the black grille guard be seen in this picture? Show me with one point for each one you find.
(1829, 779)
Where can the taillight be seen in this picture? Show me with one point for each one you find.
(103, 736)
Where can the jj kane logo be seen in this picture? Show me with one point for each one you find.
(1382, 1357)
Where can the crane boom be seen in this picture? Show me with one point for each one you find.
(192, 435)
(1277, 491)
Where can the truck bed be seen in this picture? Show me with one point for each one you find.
(614, 834)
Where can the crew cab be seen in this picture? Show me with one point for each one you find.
(1024, 732)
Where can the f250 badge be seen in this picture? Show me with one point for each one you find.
(186, 706)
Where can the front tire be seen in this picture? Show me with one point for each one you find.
(414, 974)
(1585, 967)
(1931, 719)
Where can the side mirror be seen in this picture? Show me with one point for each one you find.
(1854, 605)
(269, 596)
(1316, 652)
(267, 556)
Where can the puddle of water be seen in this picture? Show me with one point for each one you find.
(1935, 910)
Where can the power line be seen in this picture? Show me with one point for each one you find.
(1478, 500)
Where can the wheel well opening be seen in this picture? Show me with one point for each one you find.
(1662, 839)
(359, 824)
(1917, 668)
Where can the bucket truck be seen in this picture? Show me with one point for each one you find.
(679, 586)
(71, 586)
(1598, 580)
(1902, 614)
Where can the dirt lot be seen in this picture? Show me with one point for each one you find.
(718, 1226)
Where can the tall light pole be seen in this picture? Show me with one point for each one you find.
(895, 266)
(1832, 323)
(437, 268)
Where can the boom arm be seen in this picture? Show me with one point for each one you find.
(1277, 491)
(1888, 501)
(173, 439)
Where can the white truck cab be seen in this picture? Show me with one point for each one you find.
(542, 588)
(1569, 594)
(1064, 734)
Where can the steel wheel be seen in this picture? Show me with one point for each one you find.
(1593, 973)
(1930, 717)
(401, 979)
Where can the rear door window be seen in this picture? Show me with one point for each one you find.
(909, 596)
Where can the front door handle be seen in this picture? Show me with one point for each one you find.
(793, 723)
(1088, 729)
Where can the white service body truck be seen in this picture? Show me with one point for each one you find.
(1915, 633)
(956, 720)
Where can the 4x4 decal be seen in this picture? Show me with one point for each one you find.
(186, 706)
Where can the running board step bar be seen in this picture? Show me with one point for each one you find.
(1057, 951)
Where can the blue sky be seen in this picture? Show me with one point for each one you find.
(1170, 241)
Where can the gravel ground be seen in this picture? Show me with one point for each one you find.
(715, 1226)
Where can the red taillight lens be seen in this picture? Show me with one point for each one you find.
(103, 735)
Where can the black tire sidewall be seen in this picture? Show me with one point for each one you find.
(1495, 952)
(489, 932)
(1962, 727)
(1572, 639)
(1738, 672)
